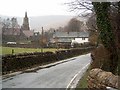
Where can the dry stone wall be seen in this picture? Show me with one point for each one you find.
(99, 79)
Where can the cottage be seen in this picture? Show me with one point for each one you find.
(70, 38)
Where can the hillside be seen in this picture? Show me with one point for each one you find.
(47, 22)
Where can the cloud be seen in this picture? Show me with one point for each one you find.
(34, 7)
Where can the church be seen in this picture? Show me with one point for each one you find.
(14, 28)
(25, 27)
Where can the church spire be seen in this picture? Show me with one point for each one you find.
(26, 14)
(26, 22)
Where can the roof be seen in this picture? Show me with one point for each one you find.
(70, 34)
(28, 33)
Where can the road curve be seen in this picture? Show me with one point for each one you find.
(58, 76)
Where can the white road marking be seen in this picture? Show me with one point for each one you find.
(76, 76)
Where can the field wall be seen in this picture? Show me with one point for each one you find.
(12, 63)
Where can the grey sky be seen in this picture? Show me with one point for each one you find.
(34, 7)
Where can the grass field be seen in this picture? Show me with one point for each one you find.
(8, 50)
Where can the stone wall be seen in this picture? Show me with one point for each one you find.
(13, 63)
(99, 79)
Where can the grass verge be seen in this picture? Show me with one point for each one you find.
(82, 84)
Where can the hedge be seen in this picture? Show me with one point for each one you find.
(12, 63)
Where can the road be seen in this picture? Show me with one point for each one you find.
(59, 76)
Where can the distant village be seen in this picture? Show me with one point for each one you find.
(22, 36)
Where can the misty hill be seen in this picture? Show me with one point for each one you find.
(53, 21)
(49, 21)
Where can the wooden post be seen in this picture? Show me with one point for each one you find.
(12, 51)
(42, 41)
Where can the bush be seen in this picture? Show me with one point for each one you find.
(100, 57)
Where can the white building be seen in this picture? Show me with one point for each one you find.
(80, 40)
(70, 38)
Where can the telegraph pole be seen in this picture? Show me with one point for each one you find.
(42, 41)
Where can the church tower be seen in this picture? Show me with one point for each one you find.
(25, 25)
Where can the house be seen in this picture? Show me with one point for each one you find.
(11, 43)
(70, 38)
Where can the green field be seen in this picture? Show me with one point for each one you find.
(8, 50)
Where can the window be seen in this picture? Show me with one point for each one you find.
(83, 38)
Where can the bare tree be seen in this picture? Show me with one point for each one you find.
(81, 7)
(91, 23)
(107, 24)
(6, 23)
(14, 22)
(74, 25)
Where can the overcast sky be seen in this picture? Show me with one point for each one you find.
(34, 7)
